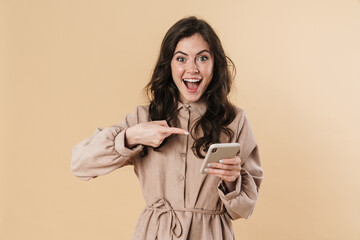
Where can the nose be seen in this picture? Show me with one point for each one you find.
(192, 67)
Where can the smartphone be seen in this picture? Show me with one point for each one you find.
(219, 151)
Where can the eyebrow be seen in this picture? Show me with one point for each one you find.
(196, 54)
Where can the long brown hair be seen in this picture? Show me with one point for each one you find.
(164, 95)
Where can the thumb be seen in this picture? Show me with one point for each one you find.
(161, 123)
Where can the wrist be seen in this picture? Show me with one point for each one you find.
(130, 140)
(230, 186)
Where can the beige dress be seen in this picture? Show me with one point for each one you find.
(181, 202)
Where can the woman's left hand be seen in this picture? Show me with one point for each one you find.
(226, 169)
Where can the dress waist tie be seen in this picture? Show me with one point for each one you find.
(162, 206)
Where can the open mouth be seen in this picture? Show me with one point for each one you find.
(192, 84)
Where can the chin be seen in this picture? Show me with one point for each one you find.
(191, 100)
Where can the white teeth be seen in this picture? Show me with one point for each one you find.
(192, 80)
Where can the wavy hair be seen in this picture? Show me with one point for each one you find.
(164, 95)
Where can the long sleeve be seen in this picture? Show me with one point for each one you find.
(104, 151)
(241, 202)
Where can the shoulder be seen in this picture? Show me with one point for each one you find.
(142, 109)
(240, 116)
(240, 121)
(140, 114)
(239, 111)
(242, 128)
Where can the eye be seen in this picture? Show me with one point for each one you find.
(180, 59)
(203, 58)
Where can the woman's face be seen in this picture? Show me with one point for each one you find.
(192, 67)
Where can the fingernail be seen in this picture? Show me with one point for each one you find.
(186, 133)
(209, 165)
(206, 170)
(221, 161)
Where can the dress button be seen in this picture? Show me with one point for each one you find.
(181, 177)
(183, 154)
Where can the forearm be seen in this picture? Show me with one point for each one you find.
(101, 153)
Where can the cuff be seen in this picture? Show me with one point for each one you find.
(224, 194)
(122, 149)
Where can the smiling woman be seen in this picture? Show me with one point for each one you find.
(192, 67)
(166, 141)
(194, 45)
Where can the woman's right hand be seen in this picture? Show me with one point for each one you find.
(150, 133)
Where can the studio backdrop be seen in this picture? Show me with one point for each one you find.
(70, 66)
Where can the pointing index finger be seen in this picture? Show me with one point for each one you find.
(174, 130)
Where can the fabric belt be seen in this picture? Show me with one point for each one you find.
(162, 206)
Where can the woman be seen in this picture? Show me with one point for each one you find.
(166, 142)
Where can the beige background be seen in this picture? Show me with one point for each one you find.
(69, 66)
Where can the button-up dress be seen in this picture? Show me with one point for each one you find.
(181, 203)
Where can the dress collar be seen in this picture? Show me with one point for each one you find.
(198, 106)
